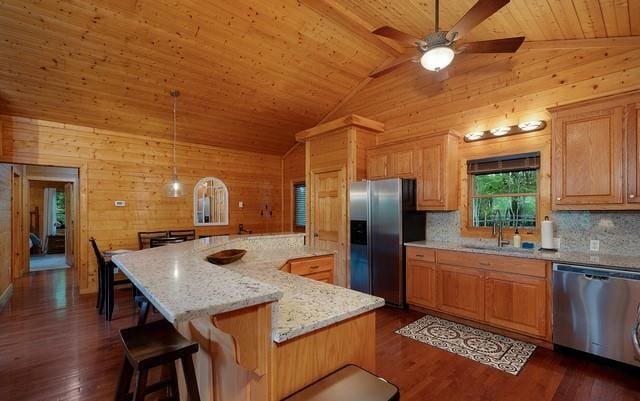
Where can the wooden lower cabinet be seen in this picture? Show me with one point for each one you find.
(421, 283)
(460, 291)
(504, 292)
(516, 302)
(318, 268)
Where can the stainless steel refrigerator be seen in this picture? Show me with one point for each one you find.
(383, 217)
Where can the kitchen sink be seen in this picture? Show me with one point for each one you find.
(497, 248)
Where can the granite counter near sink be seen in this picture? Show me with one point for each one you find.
(630, 263)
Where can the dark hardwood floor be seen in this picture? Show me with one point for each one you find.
(54, 346)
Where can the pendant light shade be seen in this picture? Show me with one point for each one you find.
(174, 188)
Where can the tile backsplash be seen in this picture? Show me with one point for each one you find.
(618, 232)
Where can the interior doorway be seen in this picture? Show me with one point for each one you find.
(44, 216)
(48, 222)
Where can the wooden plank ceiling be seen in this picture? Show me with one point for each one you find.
(251, 73)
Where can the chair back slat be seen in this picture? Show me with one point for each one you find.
(156, 242)
(144, 237)
(99, 256)
(190, 235)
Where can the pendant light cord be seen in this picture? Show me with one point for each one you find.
(175, 101)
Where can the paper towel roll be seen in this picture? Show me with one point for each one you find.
(546, 232)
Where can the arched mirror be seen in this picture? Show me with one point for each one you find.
(210, 203)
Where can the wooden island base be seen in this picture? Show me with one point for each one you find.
(238, 360)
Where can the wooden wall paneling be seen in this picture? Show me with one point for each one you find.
(536, 80)
(6, 246)
(118, 166)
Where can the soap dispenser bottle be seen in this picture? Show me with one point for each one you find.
(517, 239)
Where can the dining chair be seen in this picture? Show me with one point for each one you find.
(144, 237)
(156, 242)
(106, 282)
(190, 235)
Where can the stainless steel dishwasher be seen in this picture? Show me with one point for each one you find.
(598, 311)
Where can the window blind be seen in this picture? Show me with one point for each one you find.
(300, 204)
(520, 162)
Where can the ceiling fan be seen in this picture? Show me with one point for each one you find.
(437, 50)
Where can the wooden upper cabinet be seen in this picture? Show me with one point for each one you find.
(438, 179)
(402, 163)
(391, 161)
(591, 141)
(377, 166)
(633, 153)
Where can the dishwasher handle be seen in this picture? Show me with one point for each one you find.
(594, 277)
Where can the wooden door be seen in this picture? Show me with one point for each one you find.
(421, 283)
(517, 302)
(328, 219)
(588, 158)
(69, 232)
(633, 153)
(460, 291)
(377, 166)
(18, 235)
(401, 163)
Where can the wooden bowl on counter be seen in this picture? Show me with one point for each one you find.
(227, 256)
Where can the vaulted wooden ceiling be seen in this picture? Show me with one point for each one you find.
(251, 73)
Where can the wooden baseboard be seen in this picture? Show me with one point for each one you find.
(6, 296)
(483, 326)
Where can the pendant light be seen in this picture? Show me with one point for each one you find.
(174, 188)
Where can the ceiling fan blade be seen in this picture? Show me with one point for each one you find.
(378, 72)
(398, 36)
(506, 45)
(480, 11)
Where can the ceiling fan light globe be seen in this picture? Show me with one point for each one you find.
(437, 58)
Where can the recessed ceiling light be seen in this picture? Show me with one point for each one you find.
(530, 125)
(500, 131)
(472, 136)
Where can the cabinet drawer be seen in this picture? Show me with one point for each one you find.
(506, 264)
(314, 265)
(325, 277)
(419, 253)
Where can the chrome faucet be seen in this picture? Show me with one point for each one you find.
(497, 229)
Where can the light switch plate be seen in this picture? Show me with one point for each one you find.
(120, 203)
(594, 245)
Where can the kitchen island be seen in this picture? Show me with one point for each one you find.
(263, 333)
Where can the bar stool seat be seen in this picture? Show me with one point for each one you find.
(150, 345)
(349, 383)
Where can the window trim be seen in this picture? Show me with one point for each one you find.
(537, 142)
(294, 226)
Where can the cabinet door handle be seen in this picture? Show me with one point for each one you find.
(632, 196)
(485, 263)
(558, 198)
(419, 256)
(314, 267)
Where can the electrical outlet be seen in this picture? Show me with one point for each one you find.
(594, 245)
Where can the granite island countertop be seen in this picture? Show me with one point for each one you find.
(182, 285)
(619, 262)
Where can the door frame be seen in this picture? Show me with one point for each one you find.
(19, 264)
(75, 194)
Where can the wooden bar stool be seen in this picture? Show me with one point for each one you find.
(151, 345)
